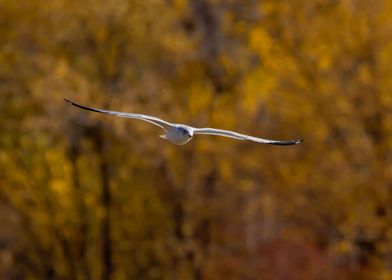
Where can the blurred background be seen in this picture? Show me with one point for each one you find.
(88, 196)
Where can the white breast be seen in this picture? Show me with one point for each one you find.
(176, 137)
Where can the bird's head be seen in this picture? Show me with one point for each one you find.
(185, 131)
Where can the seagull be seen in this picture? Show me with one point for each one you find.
(181, 134)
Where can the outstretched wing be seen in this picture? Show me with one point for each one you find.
(150, 119)
(235, 135)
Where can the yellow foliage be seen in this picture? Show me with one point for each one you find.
(87, 196)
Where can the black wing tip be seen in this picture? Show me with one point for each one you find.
(286, 143)
(75, 104)
(81, 106)
(68, 101)
(295, 142)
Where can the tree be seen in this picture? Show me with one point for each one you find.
(85, 196)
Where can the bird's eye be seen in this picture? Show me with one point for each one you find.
(183, 130)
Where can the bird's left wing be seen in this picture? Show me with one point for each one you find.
(154, 120)
(235, 135)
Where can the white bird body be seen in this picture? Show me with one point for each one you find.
(181, 134)
(178, 134)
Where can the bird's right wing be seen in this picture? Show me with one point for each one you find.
(157, 121)
(239, 136)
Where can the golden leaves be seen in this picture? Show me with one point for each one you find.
(281, 69)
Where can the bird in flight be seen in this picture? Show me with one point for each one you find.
(181, 134)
